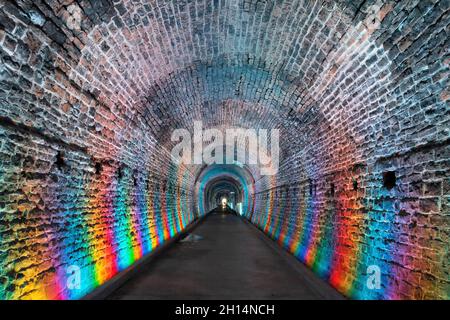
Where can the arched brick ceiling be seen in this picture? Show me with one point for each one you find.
(356, 88)
(316, 69)
(187, 73)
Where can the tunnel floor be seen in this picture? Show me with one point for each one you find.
(232, 260)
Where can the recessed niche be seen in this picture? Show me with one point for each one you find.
(355, 185)
(332, 189)
(149, 184)
(60, 163)
(119, 173)
(389, 179)
(98, 167)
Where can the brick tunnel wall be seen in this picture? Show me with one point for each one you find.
(91, 90)
(382, 203)
(76, 194)
(345, 222)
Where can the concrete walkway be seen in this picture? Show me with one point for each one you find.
(233, 260)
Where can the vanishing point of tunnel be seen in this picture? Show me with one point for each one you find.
(242, 149)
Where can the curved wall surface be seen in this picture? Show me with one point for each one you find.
(91, 91)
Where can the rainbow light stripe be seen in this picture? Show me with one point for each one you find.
(120, 222)
(336, 239)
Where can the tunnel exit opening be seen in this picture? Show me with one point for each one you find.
(231, 182)
(224, 202)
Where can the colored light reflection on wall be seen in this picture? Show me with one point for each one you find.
(97, 225)
(341, 241)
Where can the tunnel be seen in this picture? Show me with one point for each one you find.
(95, 96)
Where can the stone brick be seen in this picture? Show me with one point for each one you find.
(356, 88)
